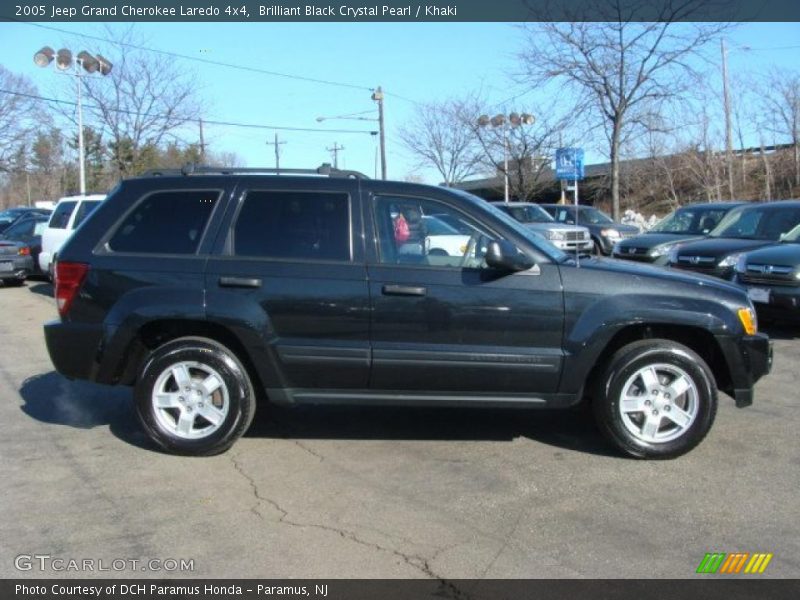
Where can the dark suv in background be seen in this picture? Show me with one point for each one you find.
(688, 223)
(208, 290)
(772, 277)
(744, 229)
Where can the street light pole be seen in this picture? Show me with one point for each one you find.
(502, 120)
(377, 96)
(83, 62)
(81, 150)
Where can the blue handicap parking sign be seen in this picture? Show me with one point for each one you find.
(569, 163)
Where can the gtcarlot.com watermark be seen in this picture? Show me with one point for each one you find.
(59, 564)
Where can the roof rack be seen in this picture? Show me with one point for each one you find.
(188, 169)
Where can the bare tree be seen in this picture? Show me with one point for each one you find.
(144, 99)
(17, 114)
(620, 67)
(782, 97)
(439, 136)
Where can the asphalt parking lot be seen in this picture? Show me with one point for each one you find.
(355, 492)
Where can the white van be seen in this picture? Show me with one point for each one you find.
(70, 212)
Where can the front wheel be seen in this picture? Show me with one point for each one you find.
(194, 397)
(656, 399)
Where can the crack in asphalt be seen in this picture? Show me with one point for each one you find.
(447, 589)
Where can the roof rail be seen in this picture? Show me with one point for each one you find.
(188, 169)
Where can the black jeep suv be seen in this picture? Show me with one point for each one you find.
(209, 290)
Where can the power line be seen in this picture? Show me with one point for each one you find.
(203, 60)
(206, 122)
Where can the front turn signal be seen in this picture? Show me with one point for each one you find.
(748, 319)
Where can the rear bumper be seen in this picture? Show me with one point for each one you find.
(44, 261)
(21, 267)
(73, 348)
(749, 358)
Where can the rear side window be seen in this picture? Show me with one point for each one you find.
(294, 225)
(166, 223)
(61, 215)
(84, 210)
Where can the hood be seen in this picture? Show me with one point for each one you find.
(651, 240)
(777, 254)
(675, 276)
(720, 247)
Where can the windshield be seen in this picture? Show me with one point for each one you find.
(690, 221)
(793, 236)
(537, 242)
(526, 214)
(594, 216)
(764, 222)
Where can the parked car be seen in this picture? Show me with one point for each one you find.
(68, 214)
(569, 238)
(689, 222)
(27, 232)
(772, 277)
(207, 290)
(742, 230)
(9, 216)
(604, 230)
(443, 240)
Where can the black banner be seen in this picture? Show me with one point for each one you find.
(707, 588)
(399, 10)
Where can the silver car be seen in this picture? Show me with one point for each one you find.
(568, 238)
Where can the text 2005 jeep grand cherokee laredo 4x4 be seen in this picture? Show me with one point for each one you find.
(209, 289)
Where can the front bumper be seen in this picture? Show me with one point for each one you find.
(16, 267)
(572, 246)
(749, 358)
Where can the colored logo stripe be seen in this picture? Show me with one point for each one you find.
(758, 564)
(721, 562)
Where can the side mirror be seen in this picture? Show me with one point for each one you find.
(503, 255)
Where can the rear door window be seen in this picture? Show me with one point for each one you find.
(61, 215)
(166, 223)
(294, 225)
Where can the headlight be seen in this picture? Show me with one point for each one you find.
(741, 264)
(730, 260)
(555, 235)
(661, 250)
(611, 234)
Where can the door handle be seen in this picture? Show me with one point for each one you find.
(241, 282)
(403, 290)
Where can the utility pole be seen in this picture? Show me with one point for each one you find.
(335, 151)
(202, 144)
(377, 96)
(728, 129)
(277, 145)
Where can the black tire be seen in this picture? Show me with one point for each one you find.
(13, 282)
(236, 382)
(631, 359)
(597, 249)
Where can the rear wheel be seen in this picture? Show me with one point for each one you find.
(657, 399)
(13, 282)
(194, 397)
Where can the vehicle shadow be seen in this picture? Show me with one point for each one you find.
(572, 429)
(53, 399)
(43, 288)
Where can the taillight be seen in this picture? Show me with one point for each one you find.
(24, 251)
(69, 278)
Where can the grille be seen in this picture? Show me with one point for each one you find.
(574, 236)
(770, 275)
(702, 262)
